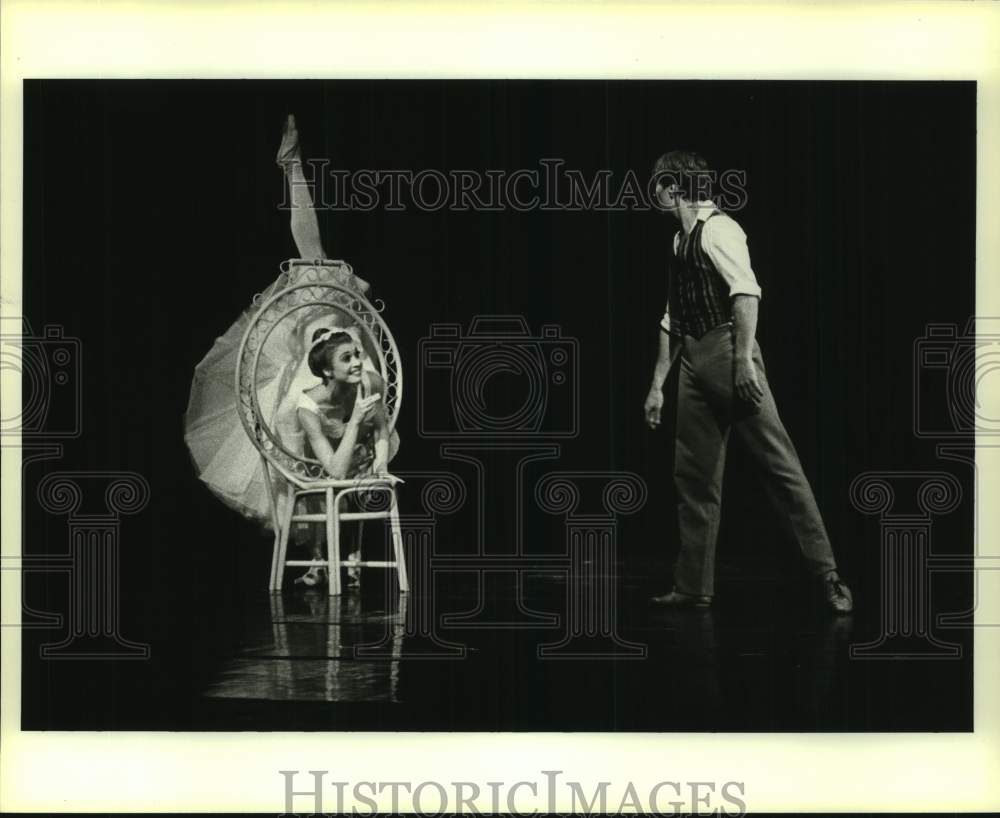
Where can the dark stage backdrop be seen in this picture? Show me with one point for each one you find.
(151, 219)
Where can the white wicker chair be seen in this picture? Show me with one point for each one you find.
(309, 288)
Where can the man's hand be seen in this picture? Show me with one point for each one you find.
(746, 383)
(653, 407)
(380, 468)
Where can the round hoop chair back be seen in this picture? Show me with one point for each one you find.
(307, 293)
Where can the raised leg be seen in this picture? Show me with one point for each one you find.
(305, 225)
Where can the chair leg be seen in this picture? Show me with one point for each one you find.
(275, 520)
(279, 630)
(356, 550)
(282, 542)
(397, 545)
(332, 544)
(273, 584)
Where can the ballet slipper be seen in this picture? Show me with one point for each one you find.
(316, 575)
(354, 571)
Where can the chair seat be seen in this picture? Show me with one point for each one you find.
(322, 484)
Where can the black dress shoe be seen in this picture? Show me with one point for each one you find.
(675, 599)
(837, 594)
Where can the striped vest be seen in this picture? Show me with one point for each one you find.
(698, 295)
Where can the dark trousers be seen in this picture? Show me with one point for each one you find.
(705, 417)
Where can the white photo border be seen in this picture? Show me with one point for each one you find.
(185, 772)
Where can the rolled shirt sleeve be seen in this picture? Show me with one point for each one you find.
(725, 244)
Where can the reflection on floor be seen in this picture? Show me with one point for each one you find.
(508, 654)
(311, 651)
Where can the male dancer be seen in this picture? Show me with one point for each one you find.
(712, 316)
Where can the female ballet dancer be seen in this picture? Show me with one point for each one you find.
(224, 456)
(345, 423)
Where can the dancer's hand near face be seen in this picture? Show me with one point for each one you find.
(365, 407)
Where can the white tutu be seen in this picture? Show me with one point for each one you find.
(224, 456)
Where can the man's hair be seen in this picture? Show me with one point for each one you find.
(688, 170)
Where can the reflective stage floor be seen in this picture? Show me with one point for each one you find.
(507, 651)
(496, 653)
